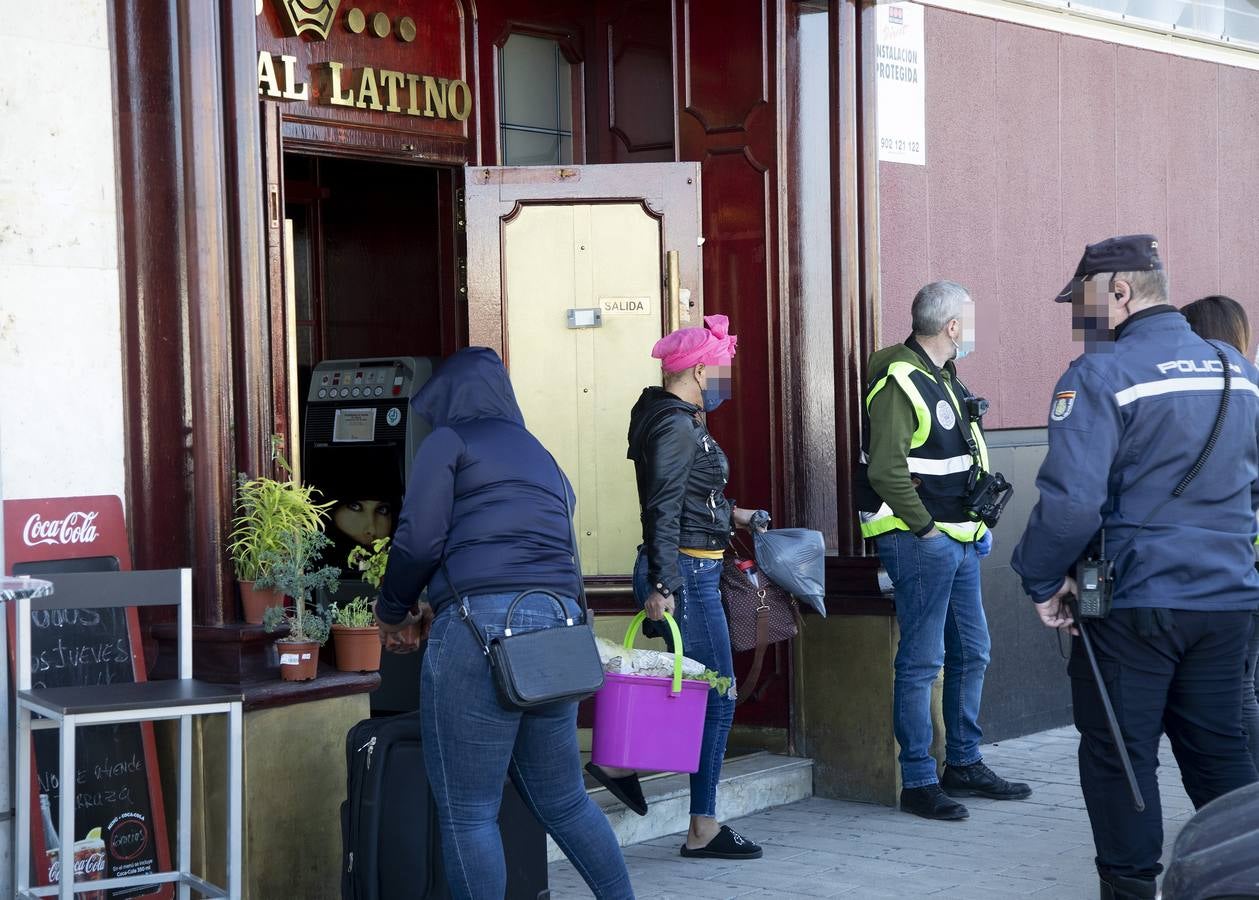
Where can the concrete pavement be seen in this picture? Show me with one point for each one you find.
(1040, 847)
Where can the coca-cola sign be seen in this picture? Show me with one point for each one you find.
(89, 865)
(74, 528)
(51, 529)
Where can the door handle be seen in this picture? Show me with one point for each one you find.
(674, 280)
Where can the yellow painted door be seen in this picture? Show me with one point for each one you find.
(576, 386)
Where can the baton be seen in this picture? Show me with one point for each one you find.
(1138, 802)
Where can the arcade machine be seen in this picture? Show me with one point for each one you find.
(359, 439)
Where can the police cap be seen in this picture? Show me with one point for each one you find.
(1127, 253)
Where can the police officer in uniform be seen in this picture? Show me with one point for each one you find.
(1129, 421)
(920, 448)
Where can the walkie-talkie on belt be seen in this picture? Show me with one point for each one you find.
(1094, 580)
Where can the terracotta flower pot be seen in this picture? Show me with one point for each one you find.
(255, 601)
(299, 660)
(358, 649)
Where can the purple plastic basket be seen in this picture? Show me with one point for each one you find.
(650, 723)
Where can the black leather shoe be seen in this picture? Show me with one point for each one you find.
(626, 789)
(1119, 887)
(930, 802)
(977, 780)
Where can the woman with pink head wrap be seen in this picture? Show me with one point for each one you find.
(687, 524)
(712, 345)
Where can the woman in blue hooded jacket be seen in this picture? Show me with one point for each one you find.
(485, 517)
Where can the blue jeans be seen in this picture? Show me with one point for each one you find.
(705, 639)
(472, 742)
(941, 618)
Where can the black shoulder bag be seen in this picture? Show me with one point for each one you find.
(549, 665)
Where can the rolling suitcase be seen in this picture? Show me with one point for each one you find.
(390, 844)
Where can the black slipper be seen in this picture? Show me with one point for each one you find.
(626, 789)
(728, 844)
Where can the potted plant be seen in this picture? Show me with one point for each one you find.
(291, 570)
(354, 632)
(268, 512)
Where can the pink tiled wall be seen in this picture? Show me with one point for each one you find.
(1038, 143)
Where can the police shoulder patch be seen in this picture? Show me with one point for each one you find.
(1064, 402)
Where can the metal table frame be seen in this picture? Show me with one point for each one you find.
(9, 589)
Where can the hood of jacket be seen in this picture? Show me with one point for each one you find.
(472, 384)
(652, 405)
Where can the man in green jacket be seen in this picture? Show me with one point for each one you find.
(921, 443)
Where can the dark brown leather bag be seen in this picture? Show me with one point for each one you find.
(757, 616)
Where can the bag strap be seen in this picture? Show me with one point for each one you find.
(762, 644)
(572, 532)
(741, 549)
(947, 386)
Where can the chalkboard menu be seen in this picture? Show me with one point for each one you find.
(119, 828)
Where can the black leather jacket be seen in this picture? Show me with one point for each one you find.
(682, 476)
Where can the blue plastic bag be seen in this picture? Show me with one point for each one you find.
(795, 560)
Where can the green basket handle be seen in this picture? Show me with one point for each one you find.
(637, 622)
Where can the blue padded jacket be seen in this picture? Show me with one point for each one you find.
(484, 495)
(1126, 423)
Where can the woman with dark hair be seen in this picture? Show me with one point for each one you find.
(687, 523)
(485, 517)
(1220, 318)
(364, 521)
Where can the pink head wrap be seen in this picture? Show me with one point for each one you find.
(712, 345)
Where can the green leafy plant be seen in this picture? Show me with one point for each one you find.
(371, 562)
(291, 570)
(267, 513)
(720, 682)
(358, 613)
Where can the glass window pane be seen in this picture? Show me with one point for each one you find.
(566, 92)
(566, 149)
(1115, 6)
(306, 345)
(1165, 12)
(527, 148)
(1241, 20)
(300, 214)
(528, 87)
(1237, 20)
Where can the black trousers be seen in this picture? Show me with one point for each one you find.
(1185, 682)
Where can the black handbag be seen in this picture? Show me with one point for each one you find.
(549, 665)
